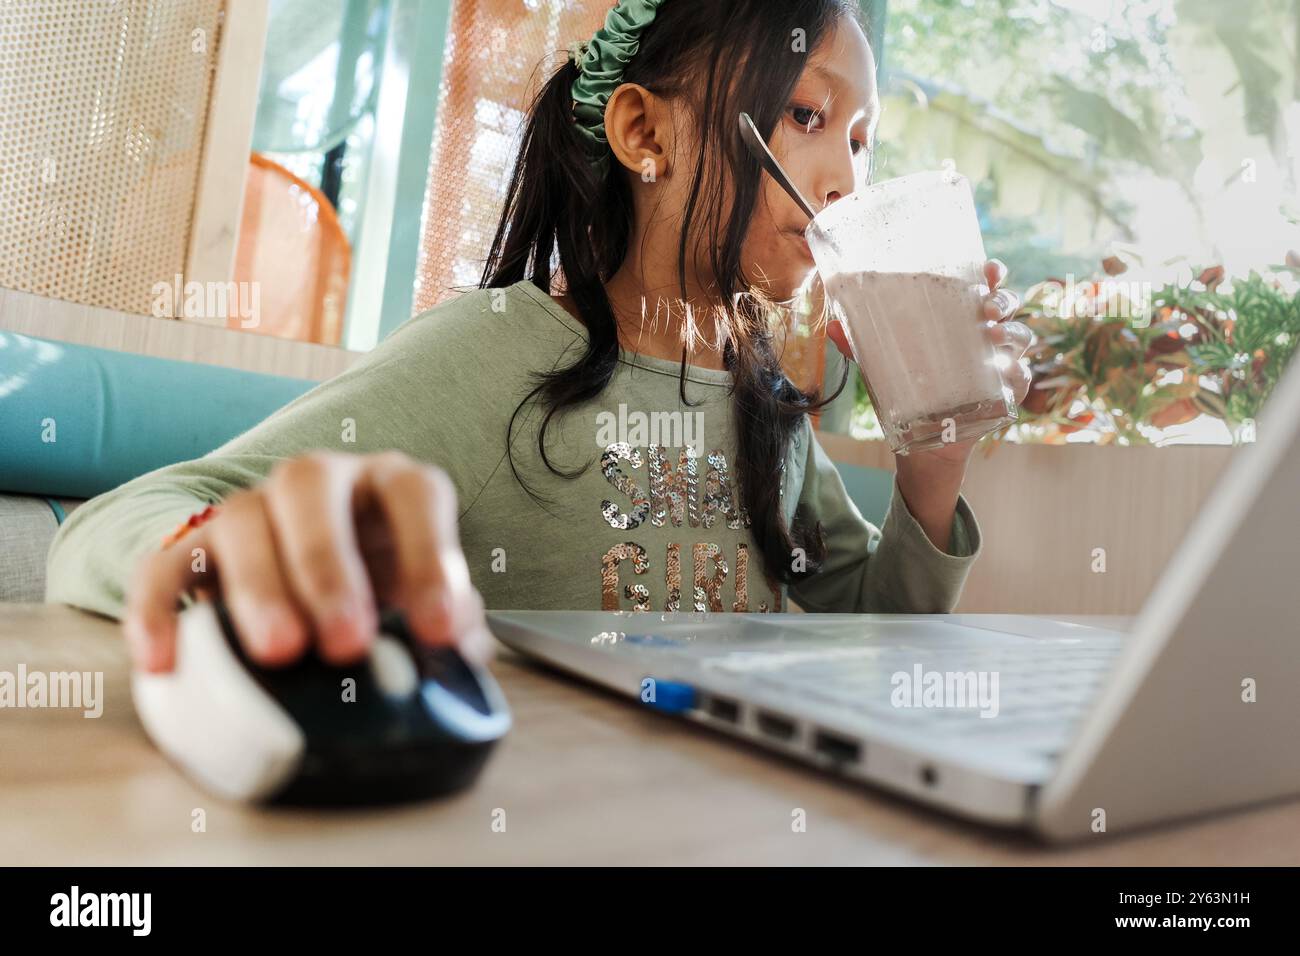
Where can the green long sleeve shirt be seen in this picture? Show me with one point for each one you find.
(654, 523)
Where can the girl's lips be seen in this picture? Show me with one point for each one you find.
(801, 242)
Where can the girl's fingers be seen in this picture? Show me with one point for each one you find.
(418, 503)
(1015, 337)
(473, 639)
(287, 559)
(995, 272)
(1002, 304)
(271, 627)
(309, 500)
(158, 580)
(836, 333)
(1018, 376)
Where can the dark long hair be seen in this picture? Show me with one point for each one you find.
(723, 57)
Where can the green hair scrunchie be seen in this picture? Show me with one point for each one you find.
(601, 63)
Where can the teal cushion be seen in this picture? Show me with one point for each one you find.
(76, 421)
(869, 488)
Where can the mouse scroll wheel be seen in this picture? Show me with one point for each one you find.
(393, 669)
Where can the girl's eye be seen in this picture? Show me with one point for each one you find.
(807, 117)
(857, 146)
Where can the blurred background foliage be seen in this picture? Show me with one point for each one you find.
(1163, 133)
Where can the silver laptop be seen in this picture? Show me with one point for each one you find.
(1014, 720)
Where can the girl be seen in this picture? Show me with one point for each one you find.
(604, 423)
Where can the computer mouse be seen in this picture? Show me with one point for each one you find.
(407, 722)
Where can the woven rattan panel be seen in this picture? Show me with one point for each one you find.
(103, 104)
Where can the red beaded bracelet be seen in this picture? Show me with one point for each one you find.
(193, 521)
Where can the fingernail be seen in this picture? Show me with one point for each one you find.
(148, 650)
(434, 615)
(345, 627)
(477, 647)
(137, 640)
(276, 632)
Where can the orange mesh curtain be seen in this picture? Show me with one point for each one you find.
(497, 54)
(490, 71)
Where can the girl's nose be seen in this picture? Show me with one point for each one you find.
(838, 176)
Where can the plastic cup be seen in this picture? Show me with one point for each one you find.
(903, 265)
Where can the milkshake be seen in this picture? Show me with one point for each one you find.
(922, 350)
(902, 263)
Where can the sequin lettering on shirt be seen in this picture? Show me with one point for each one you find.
(673, 578)
(609, 563)
(673, 491)
(718, 499)
(708, 587)
(741, 605)
(609, 460)
(677, 499)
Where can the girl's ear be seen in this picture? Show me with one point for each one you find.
(639, 128)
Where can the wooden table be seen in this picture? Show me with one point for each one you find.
(584, 778)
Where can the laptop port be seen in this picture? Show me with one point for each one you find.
(929, 776)
(776, 726)
(839, 749)
(725, 710)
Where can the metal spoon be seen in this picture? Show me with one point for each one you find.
(758, 149)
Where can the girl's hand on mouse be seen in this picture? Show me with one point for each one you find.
(306, 558)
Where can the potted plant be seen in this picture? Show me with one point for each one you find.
(1128, 365)
(1086, 527)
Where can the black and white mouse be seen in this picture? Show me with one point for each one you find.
(408, 722)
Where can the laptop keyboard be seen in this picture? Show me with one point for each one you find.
(1043, 688)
